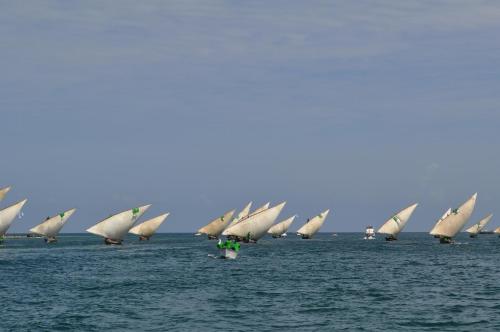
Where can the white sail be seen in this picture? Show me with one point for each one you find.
(453, 223)
(256, 225)
(497, 230)
(446, 214)
(52, 226)
(312, 226)
(149, 227)
(281, 227)
(216, 226)
(396, 224)
(117, 226)
(4, 192)
(475, 229)
(8, 215)
(243, 214)
(260, 209)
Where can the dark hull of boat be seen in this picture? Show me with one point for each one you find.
(143, 238)
(445, 240)
(112, 242)
(391, 238)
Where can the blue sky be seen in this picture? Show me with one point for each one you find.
(198, 107)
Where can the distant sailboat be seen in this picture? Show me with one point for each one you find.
(280, 229)
(497, 231)
(146, 229)
(446, 214)
(395, 225)
(4, 192)
(114, 228)
(312, 226)
(477, 228)
(52, 226)
(447, 228)
(214, 228)
(8, 215)
(255, 226)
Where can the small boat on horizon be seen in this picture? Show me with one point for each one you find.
(279, 230)
(476, 229)
(52, 226)
(147, 228)
(313, 225)
(392, 227)
(369, 233)
(215, 228)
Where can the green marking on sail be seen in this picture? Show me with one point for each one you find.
(61, 215)
(135, 211)
(455, 211)
(396, 219)
(222, 218)
(320, 215)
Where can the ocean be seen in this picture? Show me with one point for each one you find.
(172, 283)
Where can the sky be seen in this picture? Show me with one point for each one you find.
(198, 107)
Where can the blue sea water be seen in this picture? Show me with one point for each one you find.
(328, 283)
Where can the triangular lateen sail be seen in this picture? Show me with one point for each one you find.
(243, 214)
(281, 227)
(256, 225)
(261, 208)
(147, 228)
(4, 192)
(214, 228)
(477, 228)
(312, 226)
(446, 214)
(117, 226)
(8, 215)
(453, 223)
(52, 226)
(396, 223)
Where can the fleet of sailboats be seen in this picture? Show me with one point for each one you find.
(246, 226)
(392, 227)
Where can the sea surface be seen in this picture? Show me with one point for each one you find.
(173, 283)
